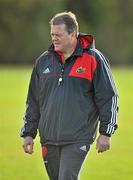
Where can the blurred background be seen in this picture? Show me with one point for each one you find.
(24, 27)
(24, 35)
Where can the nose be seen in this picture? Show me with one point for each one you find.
(54, 38)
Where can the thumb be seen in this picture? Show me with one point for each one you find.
(97, 146)
(30, 148)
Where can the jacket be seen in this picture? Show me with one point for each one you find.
(66, 102)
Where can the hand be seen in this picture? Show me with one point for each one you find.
(28, 145)
(103, 143)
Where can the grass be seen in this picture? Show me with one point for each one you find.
(115, 164)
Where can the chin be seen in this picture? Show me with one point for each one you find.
(57, 49)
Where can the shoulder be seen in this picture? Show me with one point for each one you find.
(99, 57)
(42, 57)
(44, 60)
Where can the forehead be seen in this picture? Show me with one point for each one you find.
(58, 28)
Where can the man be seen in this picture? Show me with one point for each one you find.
(71, 90)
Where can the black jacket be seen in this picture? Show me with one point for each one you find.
(66, 101)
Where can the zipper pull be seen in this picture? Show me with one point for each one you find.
(59, 81)
(61, 75)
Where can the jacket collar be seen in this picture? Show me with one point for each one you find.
(84, 42)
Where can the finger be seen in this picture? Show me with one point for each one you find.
(108, 146)
(99, 148)
(103, 148)
(25, 147)
(30, 148)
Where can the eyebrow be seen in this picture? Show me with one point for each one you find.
(57, 34)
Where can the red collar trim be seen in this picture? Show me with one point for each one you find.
(61, 55)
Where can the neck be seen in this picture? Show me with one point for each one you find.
(71, 49)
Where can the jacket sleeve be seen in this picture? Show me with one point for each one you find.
(32, 114)
(105, 95)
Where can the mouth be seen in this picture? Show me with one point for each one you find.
(56, 44)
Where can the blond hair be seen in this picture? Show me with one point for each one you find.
(67, 18)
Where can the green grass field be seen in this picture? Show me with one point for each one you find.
(116, 164)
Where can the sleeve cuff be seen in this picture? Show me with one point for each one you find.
(105, 134)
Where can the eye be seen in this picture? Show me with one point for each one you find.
(56, 35)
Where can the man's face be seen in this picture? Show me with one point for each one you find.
(60, 38)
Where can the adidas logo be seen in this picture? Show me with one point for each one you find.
(46, 71)
(83, 148)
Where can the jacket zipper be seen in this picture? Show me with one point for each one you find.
(60, 81)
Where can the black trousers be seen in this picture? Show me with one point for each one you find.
(64, 162)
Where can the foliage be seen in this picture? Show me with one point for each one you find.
(24, 27)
